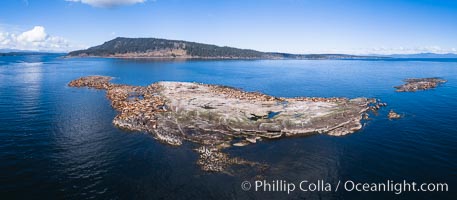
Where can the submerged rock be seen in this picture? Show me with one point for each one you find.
(415, 84)
(213, 116)
(213, 160)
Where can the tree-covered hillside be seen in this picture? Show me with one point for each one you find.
(144, 45)
(162, 48)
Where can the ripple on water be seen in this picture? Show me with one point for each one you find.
(60, 142)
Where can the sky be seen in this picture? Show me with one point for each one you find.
(291, 26)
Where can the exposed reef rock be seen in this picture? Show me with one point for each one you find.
(415, 84)
(393, 115)
(213, 160)
(217, 117)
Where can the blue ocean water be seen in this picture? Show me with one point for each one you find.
(58, 142)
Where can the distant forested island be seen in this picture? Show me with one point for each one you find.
(161, 48)
(28, 53)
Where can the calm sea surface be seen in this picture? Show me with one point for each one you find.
(58, 142)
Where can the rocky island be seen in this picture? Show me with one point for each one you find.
(415, 84)
(216, 117)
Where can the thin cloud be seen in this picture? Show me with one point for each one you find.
(107, 3)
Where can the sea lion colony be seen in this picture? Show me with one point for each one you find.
(217, 117)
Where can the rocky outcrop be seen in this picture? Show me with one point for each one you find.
(217, 117)
(393, 115)
(415, 84)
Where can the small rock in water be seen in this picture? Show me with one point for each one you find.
(415, 84)
(251, 139)
(365, 116)
(224, 145)
(393, 115)
(241, 143)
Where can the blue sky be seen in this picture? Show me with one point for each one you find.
(295, 26)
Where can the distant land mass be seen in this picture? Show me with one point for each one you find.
(28, 52)
(161, 48)
(15, 52)
(423, 55)
(122, 47)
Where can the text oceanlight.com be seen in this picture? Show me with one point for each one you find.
(349, 186)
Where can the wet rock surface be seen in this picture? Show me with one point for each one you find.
(393, 115)
(217, 117)
(416, 84)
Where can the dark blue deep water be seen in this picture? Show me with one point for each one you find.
(58, 142)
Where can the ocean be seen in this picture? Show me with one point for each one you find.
(58, 142)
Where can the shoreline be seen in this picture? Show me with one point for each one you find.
(211, 58)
